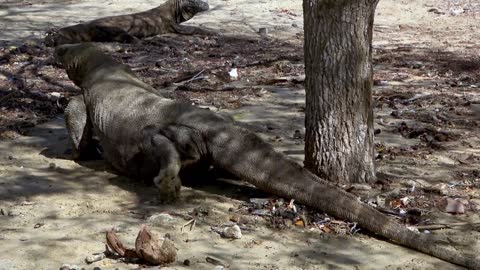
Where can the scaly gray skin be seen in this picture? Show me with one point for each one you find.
(163, 19)
(145, 135)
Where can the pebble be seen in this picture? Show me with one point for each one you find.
(69, 267)
(186, 262)
(233, 232)
(453, 206)
(216, 261)
(95, 258)
(263, 31)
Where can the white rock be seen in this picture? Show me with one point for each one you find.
(233, 232)
(233, 73)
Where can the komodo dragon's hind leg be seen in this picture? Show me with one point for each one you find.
(80, 130)
(164, 154)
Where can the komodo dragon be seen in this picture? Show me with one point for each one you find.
(163, 19)
(145, 135)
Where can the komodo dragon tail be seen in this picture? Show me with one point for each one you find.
(248, 157)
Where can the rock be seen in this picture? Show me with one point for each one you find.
(233, 73)
(52, 166)
(186, 262)
(456, 11)
(232, 232)
(263, 31)
(55, 94)
(161, 219)
(452, 206)
(95, 258)
(297, 134)
(216, 261)
(154, 250)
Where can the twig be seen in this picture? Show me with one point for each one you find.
(390, 212)
(195, 77)
(444, 225)
(191, 222)
(140, 68)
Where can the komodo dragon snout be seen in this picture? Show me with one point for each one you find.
(189, 8)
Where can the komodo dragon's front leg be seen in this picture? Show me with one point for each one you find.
(80, 130)
(192, 30)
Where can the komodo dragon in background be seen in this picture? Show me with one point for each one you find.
(163, 19)
(146, 135)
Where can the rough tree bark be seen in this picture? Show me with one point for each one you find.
(338, 67)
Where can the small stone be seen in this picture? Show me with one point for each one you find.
(95, 258)
(97, 268)
(233, 232)
(294, 25)
(233, 73)
(216, 261)
(52, 166)
(186, 262)
(65, 267)
(297, 134)
(162, 219)
(263, 31)
(453, 206)
(55, 94)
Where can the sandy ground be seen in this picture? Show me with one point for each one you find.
(55, 211)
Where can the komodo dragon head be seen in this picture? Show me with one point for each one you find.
(73, 58)
(186, 9)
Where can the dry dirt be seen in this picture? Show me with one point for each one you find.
(54, 211)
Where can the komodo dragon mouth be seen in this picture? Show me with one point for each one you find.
(186, 9)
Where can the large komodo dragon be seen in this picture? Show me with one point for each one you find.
(163, 19)
(145, 135)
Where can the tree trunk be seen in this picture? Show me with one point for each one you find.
(338, 68)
